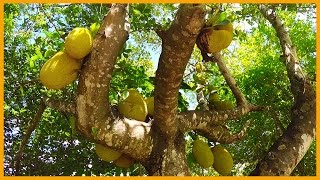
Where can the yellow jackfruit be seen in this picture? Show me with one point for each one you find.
(223, 161)
(124, 161)
(78, 43)
(106, 153)
(212, 41)
(200, 78)
(59, 71)
(134, 106)
(150, 105)
(199, 67)
(223, 105)
(202, 153)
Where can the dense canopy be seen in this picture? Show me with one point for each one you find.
(152, 48)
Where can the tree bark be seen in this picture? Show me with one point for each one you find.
(290, 148)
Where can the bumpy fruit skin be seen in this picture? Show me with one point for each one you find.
(59, 71)
(228, 27)
(150, 105)
(78, 43)
(106, 153)
(199, 67)
(134, 106)
(124, 161)
(212, 41)
(214, 97)
(223, 161)
(223, 105)
(202, 153)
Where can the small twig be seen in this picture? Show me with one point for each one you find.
(15, 164)
(241, 100)
(49, 18)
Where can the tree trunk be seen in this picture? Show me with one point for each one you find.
(168, 159)
(289, 149)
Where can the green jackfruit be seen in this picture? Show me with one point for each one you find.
(202, 153)
(223, 105)
(223, 161)
(124, 161)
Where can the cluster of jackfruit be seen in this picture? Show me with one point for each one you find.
(217, 157)
(215, 38)
(135, 106)
(222, 105)
(110, 155)
(63, 68)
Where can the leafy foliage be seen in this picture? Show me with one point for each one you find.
(35, 32)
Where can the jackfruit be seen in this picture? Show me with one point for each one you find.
(59, 71)
(212, 41)
(134, 106)
(150, 105)
(223, 105)
(200, 78)
(223, 161)
(78, 43)
(124, 161)
(199, 67)
(214, 97)
(106, 153)
(202, 153)
(227, 26)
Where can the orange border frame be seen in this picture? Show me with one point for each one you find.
(147, 1)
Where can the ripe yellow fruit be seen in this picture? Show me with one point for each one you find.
(202, 153)
(200, 78)
(223, 161)
(124, 161)
(106, 153)
(212, 41)
(150, 105)
(223, 105)
(134, 106)
(78, 43)
(228, 27)
(59, 71)
(214, 97)
(199, 67)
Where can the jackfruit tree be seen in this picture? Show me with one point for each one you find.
(159, 89)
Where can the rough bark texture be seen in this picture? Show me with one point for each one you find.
(95, 118)
(289, 149)
(177, 45)
(159, 145)
(168, 156)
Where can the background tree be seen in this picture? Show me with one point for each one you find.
(47, 145)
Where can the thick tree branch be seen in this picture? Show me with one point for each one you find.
(95, 119)
(201, 120)
(93, 89)
(15, 164)
(59, 105)
(222, 134)
(289, 149)
(177, 45)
